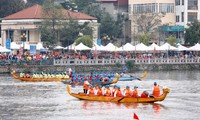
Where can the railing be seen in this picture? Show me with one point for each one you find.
(101, 61)
(123, 61)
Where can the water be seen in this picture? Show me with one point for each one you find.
(50, 101)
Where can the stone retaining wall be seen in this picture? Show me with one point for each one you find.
(84, 68)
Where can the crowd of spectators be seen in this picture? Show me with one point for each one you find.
(89, 55)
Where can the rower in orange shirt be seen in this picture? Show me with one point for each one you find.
(135, 92)
(90, 90)
(156, 90)
(127, 92)
(118, 92)
(107, 91)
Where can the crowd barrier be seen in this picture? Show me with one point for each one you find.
(123, 61)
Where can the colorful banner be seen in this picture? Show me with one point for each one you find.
(32, 49)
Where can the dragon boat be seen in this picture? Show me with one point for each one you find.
(114, 80)
(14, 75)
(83, 96)
(132, 77)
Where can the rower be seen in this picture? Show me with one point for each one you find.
(156, 90)
(34, 75)
(135, 92)
(127, 92)
(107, 91)
(90, 90)
(118, 92)
(86, 85)
(21, 74)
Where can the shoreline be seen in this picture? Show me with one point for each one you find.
(90, 68)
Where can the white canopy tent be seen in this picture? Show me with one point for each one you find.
(128, 47)
(181, 48)
(110, 47)
(97, 47)
(196, 47)
(39, 46)
(154, 47)
(81, 46)
(26, 45)
(167, 46)
(3, 49)
(14, 46)
(70, 47)
(58, 47)
(141, 47)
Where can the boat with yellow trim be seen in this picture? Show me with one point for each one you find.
(14, 75)
(115, 80)
(83, 96)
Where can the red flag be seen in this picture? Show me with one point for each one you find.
(135, 117)
(154, 49)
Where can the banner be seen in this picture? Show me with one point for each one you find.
(99, 41)
(32, 49)
(8, 42)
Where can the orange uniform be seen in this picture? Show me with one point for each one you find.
(91, 91)
(107, 92)
(127, 92)
(156, 91)
(135, 92)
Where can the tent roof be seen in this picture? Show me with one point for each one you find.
(81, 46)
(14, 45)
(167, 46)
(196, 47)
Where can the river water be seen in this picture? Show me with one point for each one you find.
(50, 101)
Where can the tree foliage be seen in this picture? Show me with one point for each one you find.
(147, 22)
(86, 40)
(8, 7)
(144, 38)
(53, 14)
(192, 33)
(172, 40)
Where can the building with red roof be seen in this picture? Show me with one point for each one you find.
(29, 20)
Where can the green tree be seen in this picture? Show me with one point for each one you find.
(86, 40)
(8, 7)
(110, 28)
(172, 40)
(144, 38)
(192, 33)
(54, 15)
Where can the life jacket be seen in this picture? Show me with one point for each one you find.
(107, 92)
(91, 91)
(118, 93)
(28, 76)
(143, 95)
(99, 92)
(127, 93)
(135, 93)
(156, 91)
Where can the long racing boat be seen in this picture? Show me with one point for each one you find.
(114, 80)
(83, 96)
(37, 79)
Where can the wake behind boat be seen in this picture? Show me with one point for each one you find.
(102, 98)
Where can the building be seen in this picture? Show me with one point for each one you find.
(28, 22)
(166, 8)
(113, 7)
(187, 11)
